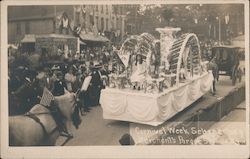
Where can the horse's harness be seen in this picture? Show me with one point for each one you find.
(54, 112)
(51, 112)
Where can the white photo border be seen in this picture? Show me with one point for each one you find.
(171, 151)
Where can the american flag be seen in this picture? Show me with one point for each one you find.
(47, 97)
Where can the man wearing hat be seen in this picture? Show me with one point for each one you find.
(95, 86)
(70, 78)
(59, 84)
(27, 92)
(46, 78)
(213, 67)
(15, 78)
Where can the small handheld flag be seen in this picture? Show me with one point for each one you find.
(47, 97)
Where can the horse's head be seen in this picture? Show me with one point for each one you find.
(69, 106)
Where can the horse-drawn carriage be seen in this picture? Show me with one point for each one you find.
(228, 59)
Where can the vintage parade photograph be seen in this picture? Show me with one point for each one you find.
(111, 74)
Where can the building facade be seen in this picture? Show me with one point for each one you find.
(97, 19)
(108, 20)
(34, 20)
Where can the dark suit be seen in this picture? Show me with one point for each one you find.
(214, 68)
(58, 89)
(47, 82)
(94, 90)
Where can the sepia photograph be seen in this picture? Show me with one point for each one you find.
(125, 75)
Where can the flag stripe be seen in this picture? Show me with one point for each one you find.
(47, 97)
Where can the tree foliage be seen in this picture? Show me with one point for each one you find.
(167, 14)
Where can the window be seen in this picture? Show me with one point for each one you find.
(112, 23)
(115, 9)
(102, 24)
(107, 24)
(107, 10)
(121, 10)
(112, 9)
(117, 23)
(27, 27)
(44, 52)
(96, 8)
(84, 16)
(120, 23)
(77, 18)
(101, 8)
(18, 28)
(91, 19)
(97, 22)
(129, 28)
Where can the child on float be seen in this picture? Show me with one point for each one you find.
(139, 75)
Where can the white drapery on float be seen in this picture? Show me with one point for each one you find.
(153, 109)
(181, 82)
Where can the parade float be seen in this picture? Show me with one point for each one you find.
(156, 78)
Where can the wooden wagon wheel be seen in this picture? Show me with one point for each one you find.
(185, 53)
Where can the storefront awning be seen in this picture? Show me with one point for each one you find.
(82, 43)
(29, 38)
(61, 36)
(93, 38)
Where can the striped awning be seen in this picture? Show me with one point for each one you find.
(93, 38)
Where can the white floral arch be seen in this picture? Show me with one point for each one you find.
(185, 53)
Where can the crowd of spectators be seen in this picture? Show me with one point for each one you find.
(68, 74)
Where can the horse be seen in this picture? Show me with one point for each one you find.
(40, 126)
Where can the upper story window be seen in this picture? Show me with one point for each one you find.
(117, 23)
(18, 28)
(107, 24)
(97, 22)
(121, 10)
(107, 9)
(101, 8)
(91, 19)
(77, 17)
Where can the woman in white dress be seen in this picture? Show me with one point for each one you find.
(139, 75)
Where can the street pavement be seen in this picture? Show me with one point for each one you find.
(230, 130)
(238, 114)
(94, 130)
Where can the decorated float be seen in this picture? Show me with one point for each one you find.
(156, 78)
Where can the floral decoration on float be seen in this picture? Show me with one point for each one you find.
(155, 79)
